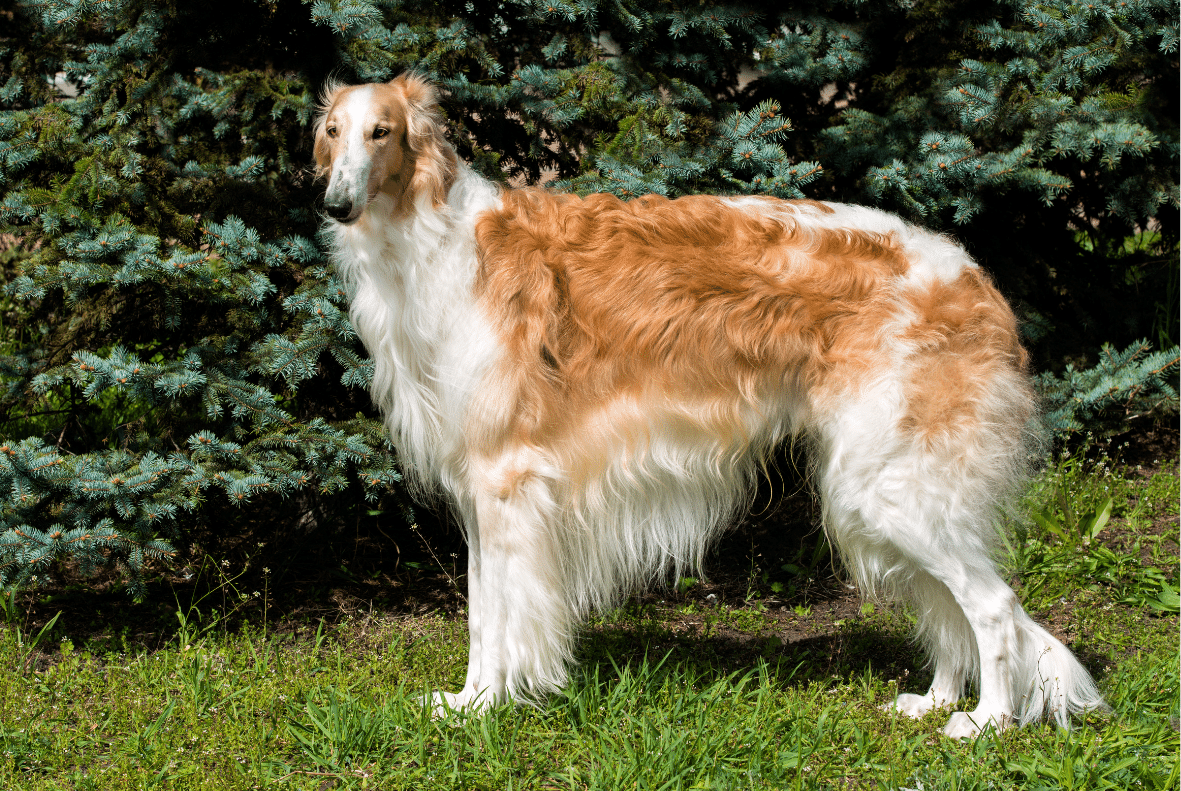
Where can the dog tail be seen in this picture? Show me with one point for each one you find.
(1049, 681)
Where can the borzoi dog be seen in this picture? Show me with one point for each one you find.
(596, 383)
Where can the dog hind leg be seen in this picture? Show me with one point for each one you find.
(868, 527)
(904, 541)
(917, 520)
(1025, 674)
(947, 637)
(989, 606)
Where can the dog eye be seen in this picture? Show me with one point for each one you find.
(331, 131)
(380, 132)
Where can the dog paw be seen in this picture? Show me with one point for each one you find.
(911, 705)
(443, 704)
(969, 724)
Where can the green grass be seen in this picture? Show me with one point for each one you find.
(651, 706)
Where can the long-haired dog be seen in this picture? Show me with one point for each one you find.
(596, 383)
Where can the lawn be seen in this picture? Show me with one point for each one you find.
(770, 674)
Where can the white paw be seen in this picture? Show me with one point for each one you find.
(969, 724)
(911, 705)
(443, 704)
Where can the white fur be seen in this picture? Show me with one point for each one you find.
(545, 549)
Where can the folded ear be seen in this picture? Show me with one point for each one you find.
(433, 158)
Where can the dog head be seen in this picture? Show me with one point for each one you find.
(382, 138)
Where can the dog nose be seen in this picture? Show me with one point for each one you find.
(338, 210)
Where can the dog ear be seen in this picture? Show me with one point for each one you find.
(320, 149)
(431, 155)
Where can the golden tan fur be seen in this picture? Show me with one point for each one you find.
(699, 300)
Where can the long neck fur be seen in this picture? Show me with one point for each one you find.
(410, 274)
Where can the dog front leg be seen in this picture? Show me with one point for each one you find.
(469, 695)
(520, 621)
(475, 601)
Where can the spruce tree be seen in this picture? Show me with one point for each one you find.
(173, 333)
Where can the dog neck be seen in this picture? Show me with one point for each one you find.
(410, 277)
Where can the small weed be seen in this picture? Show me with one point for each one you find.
(28, 647)
(8, 610)
(751, 619)
(801, 570)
